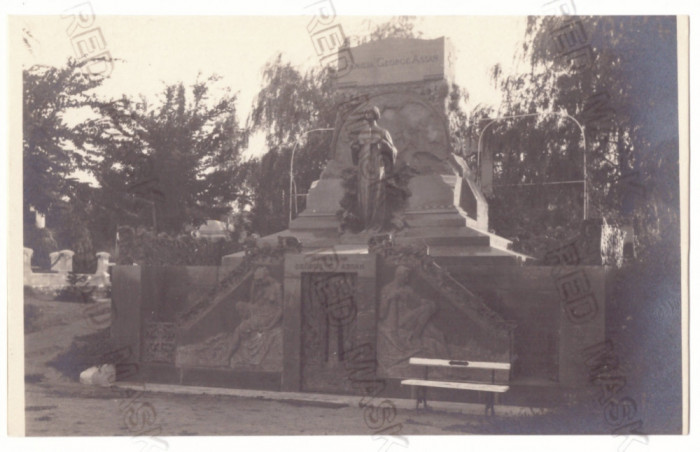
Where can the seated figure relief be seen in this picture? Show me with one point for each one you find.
(405, 326)
(256, 343)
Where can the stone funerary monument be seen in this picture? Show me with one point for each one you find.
(391, 259)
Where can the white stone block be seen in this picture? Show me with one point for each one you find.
(103, 375)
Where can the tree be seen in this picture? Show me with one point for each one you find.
(170, 165)
(612, 88)
(396, 27)
(289, 105)
(50, 155)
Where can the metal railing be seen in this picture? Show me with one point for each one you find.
(561, 115)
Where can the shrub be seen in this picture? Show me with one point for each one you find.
(144, 247)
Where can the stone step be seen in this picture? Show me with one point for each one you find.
(445, 241)
(460, 231)
(313, 222)
(452, 241)
(444, 250)
(481, 255)
(447, 261)
(435, 221)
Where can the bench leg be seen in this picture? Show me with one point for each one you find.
(490, 404)
(421, 396)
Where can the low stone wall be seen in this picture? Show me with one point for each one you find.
(62, 266)
(549, 305)
(559, 311)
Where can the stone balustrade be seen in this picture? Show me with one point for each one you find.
(61, 266)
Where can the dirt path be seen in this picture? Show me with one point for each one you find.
(58, 405)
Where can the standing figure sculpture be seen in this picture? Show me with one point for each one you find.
(375, 154)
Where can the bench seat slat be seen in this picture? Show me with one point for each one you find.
(457, 385)
(459, 363)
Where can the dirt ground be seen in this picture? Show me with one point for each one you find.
(58, 405)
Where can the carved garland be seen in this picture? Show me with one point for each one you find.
(397, 194)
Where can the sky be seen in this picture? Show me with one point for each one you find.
(158, 50)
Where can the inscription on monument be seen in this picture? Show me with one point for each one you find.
(319, 267)
(383, 62)
(398, 61)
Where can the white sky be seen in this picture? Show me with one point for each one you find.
(168, 49)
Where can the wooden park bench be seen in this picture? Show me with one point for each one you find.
(491, 388)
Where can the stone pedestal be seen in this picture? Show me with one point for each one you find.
(28, 266)
(324, 196)
(28, 252)
(101, 277)
(62, 261)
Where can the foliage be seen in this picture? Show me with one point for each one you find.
(396, 27)
(616, 103)
(52, 98)
(458, 120)
(41, 241)
(170, 165)
(78, 289)
(49, 155)
(523, 208)
(144, 247)
(289, 105)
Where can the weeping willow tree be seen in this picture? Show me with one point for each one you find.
(290, 105)
(616, 76)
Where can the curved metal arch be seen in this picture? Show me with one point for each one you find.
(292, 184)
(561, 115)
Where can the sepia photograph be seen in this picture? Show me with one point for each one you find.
(325, 224)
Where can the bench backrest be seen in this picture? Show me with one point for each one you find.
(460, 363)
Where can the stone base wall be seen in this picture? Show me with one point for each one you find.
(546, 345)
(559, 311)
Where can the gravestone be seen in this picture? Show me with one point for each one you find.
(101, 276)
(28, 252)
(62, 261)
